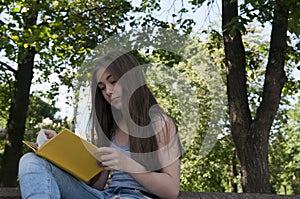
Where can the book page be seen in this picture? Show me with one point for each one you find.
(32, 145)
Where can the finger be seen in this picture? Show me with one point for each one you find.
(111, 165)
(110, 169)
(99, 152)
(107, 157)
(100, 164)
(104, 150)
(50, 133)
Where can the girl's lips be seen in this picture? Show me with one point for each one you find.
(113, 99)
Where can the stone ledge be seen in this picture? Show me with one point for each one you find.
(218, 195)
(14, 193)
(10, 193)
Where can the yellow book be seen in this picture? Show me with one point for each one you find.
(71, 153)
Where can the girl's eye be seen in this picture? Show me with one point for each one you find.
(101, 87)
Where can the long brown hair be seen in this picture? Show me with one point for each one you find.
(141, 107)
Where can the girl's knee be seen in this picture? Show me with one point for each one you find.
(28, 157)
(27, 160)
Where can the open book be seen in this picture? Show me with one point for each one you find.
(71, 153)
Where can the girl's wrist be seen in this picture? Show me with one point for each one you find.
(136, 168)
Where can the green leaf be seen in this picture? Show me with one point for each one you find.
(16, 9)
(15, 38)
(25, 45)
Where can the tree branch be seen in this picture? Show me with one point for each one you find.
(240, 115)
(7, 67)
(275, 76)
(1, 22)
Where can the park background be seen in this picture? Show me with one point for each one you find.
(44, 44)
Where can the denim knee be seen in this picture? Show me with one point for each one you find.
(28, 159)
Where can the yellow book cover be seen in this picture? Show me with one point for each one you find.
(71, 153)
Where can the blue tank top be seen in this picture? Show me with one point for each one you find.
(120, 178)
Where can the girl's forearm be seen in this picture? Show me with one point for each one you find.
(164, 185)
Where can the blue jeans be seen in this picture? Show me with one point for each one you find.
(40, 179)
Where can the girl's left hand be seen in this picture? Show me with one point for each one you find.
(114, 159)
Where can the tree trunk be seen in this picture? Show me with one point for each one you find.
(16, 122)
(234, 175)
(19, 107)
(251, 136)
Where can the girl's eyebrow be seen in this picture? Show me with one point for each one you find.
(107, 78)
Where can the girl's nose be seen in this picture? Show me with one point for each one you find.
(109, 90)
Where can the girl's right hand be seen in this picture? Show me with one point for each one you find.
(114, 159)
(50, 133)
(43, 136)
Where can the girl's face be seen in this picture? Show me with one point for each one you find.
(111, 90)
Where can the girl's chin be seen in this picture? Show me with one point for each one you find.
(117, 106)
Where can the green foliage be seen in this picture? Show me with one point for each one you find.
(65, 31)
(212, 173)
(39, 110)
(198, 3)
(147, 8)
(5, 100)
(284, 152)
(186, 95)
